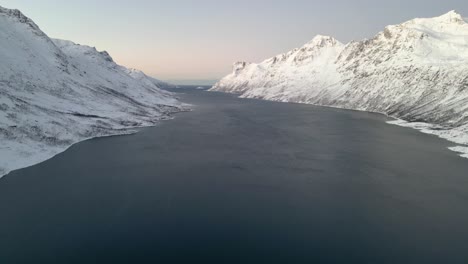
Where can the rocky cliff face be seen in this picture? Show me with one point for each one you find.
(54, 93)
(416, 71)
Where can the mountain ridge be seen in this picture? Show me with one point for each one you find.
(55, 93)
(414, 71)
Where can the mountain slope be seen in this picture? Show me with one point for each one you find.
(415, 71)
(141, 76)
(54, 93)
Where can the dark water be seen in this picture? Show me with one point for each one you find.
(243, 181)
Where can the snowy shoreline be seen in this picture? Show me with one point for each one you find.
(53, 152)
(453, 135)
(57, 151)
(459, 137)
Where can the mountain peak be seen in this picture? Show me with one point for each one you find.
(20, 17)
(451, 16)
(322, 41)
(16, 14)
(447, 18)
(448, 24)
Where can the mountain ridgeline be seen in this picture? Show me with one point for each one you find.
(415, 71)
(54, 93)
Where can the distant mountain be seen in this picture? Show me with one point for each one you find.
(54, 93)
(194, 82)
(416, 71)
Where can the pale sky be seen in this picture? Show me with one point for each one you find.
(200, 39)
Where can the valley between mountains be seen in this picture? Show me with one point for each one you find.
(54, 93)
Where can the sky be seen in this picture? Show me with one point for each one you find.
(198, 40)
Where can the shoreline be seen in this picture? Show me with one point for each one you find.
(460, 142)
(123, 132)
(459, 148)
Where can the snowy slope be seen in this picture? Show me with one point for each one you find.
(415, 71)
(141, 76)
(54, 93)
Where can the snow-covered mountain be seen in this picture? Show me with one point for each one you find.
(141, 76)
(415, 71)
(54, 93)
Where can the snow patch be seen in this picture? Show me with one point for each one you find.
(458, 136)
(462, 150)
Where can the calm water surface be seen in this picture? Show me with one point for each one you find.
(243, 181)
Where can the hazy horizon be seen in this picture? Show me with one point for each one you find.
(181, 41)
(201, 82)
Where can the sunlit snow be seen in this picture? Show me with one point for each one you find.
(415, 71)
(54, 93)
